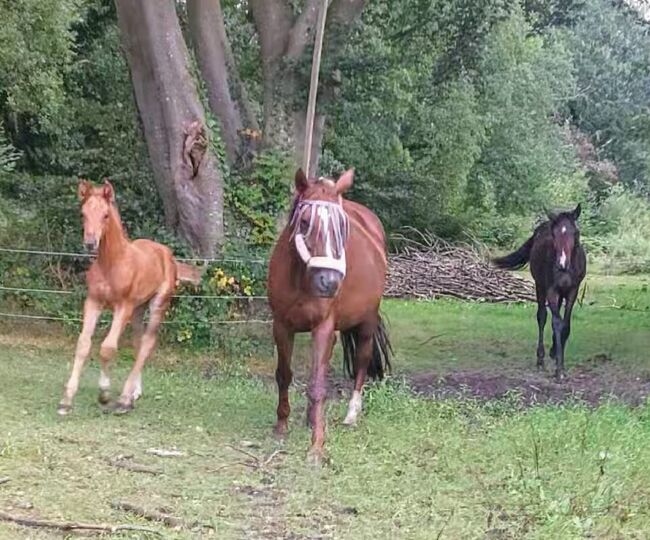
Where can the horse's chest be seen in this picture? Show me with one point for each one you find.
(304, 315)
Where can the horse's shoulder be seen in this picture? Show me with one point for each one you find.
(364, 217)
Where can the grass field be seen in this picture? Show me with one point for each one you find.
(413, 468)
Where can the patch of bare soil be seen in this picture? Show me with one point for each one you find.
(593, 381)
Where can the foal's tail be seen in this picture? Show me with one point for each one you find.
(187, 273)
(381, 351)
(517, 259)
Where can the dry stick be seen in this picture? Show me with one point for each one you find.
(134, 467)
(163, 452)
(313, 85)
(154, 515)
(4, 479)
(72, 526)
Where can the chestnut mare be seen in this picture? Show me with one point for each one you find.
(327, 273)
(125, 277)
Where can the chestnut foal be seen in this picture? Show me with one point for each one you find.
(125, 277)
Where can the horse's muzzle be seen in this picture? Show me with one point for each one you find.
(325, 282)
(91, 247)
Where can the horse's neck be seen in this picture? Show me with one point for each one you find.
(115, 242)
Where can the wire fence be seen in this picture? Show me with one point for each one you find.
(71, 292)
(38, 291)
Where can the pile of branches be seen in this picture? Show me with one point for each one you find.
(430, 268)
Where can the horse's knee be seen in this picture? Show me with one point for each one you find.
(283, 377)
(107, 351)
(316, 392)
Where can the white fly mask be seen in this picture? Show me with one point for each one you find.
(329, 222)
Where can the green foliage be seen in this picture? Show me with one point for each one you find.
(259, 195)
(611, 48)
(8, 154)
(36, 40)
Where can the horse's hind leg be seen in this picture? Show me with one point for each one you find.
(138, 331)
(362, 361)
(284, 343)
(133, 383)
(92, 311)
(542, 314)
(121, 317)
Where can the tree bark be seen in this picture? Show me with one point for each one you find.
(226, 93)
(186, 171)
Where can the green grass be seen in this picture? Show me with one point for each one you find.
(413, 468)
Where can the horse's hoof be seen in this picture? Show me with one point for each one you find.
(122, 408)
(349, 421)
(280, 431)
(560, 376)
(104, 397)
(541, 367)
(315, 458)
(63, 409)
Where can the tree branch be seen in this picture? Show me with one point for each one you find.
(71, 526)
(205, 18)
(303, 29)
(273, 19)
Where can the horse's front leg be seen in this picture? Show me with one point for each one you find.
(321, 351)
(92, 311)
(566, 327)
(558, 328)
(121, 317)
(284, 343)
(542, 314)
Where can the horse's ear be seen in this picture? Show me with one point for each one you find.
(83, 189)
(345, 182)
(301, 181)
(108, 192)
(577, 211)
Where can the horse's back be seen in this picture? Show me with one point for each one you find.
(155, 266)
(369, 222)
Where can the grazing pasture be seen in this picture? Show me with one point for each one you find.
(467, 457)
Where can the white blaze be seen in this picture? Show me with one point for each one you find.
(563, 259)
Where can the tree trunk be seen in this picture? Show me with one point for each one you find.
(284, 42)
(185, 170)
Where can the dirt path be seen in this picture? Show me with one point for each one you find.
(593, 381)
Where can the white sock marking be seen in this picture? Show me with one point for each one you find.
(355, 407)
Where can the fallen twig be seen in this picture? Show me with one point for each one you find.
(72, 526)
(4, 479)
(124, 463)
(256, 463)
(155, 515)
(162, 452)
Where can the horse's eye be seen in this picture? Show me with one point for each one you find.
(106, 216)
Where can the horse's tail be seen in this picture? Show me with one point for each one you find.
(188, 273)
(517, 259)
(381, 351)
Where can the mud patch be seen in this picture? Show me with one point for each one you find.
(593, 381)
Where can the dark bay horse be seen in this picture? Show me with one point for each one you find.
(125, 277)
(558, 264)
(327, 273)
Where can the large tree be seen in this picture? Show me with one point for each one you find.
(185, 169)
